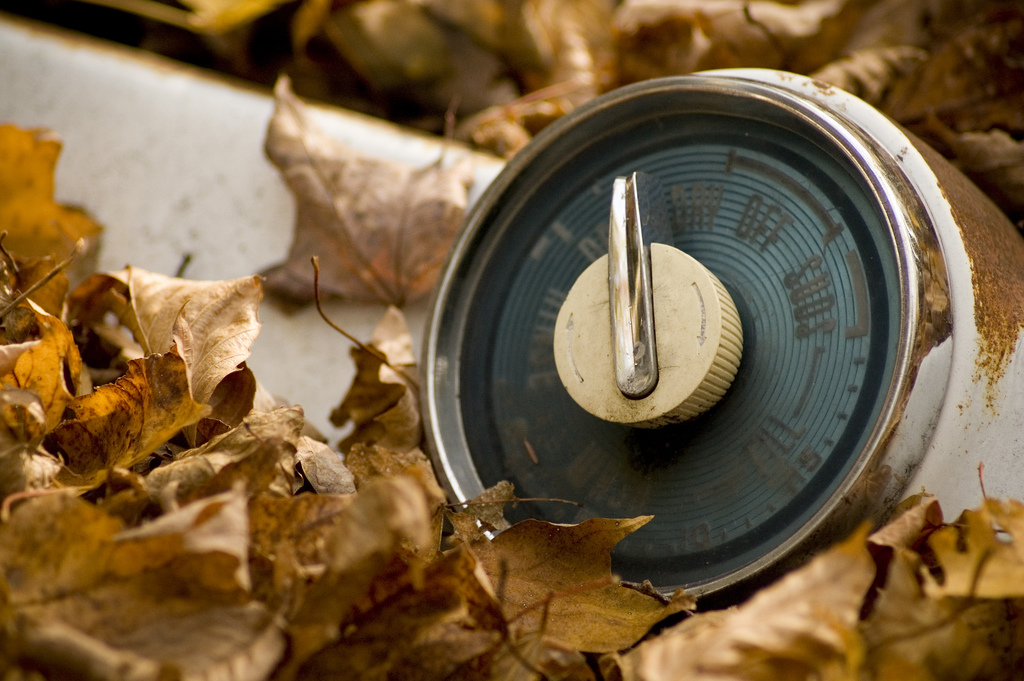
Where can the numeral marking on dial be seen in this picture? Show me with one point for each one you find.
(811, 298)
(761, 222)
(833, 228)
(696, 205)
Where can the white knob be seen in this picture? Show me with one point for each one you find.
(699, 342)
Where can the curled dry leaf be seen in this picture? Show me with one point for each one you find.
(870, 73)
(383, 401)
(212, 323)
(444, 629)
(36, 225)
(975, 558)
(259, 452)
(50, 368)
(800, 627)
(96, 600)
(381, 229)
(672, 37)
(323, 468)
(119, 424)
(380, 534)
(557, 581)
(23, 464)
(973, 81)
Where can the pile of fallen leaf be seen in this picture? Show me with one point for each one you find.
(163, 518)
(499, 71)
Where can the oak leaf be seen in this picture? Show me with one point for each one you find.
(381, 229)
(36, 225)
(557, 580)
(119, 424)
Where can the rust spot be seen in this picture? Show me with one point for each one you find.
(996, 253)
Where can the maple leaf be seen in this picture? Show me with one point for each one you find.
(36, 225)
(381, 229)
(556, 579)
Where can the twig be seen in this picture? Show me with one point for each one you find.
(513, 500)
(45, 280)
(315, 260)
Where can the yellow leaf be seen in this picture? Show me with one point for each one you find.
(36, 225)
(50, 368)
(121, 423)
(801, 627)
(975, 560)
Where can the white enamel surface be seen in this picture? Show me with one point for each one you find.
(171, 161)
(977, 423)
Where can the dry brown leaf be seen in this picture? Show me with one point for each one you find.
(260, 452)
(673, 37)
(369, 464)
(973, 81)
(23, 464)
(381, 229)
(35, 224)
(383, 400)
(50, 368)
(212, 323)
(323, 468)
(222, 16)
(163, 601)
(994, 161)
(382, 532)
(870, 73)
(119, 424)
(43, 272)
(557, 580)
(803, 626)
(288, 535)
(443, 629)
(485, 512)
(908, 633)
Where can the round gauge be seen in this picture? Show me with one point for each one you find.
(792, 210)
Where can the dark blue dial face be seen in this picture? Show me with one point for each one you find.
(791, 228)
